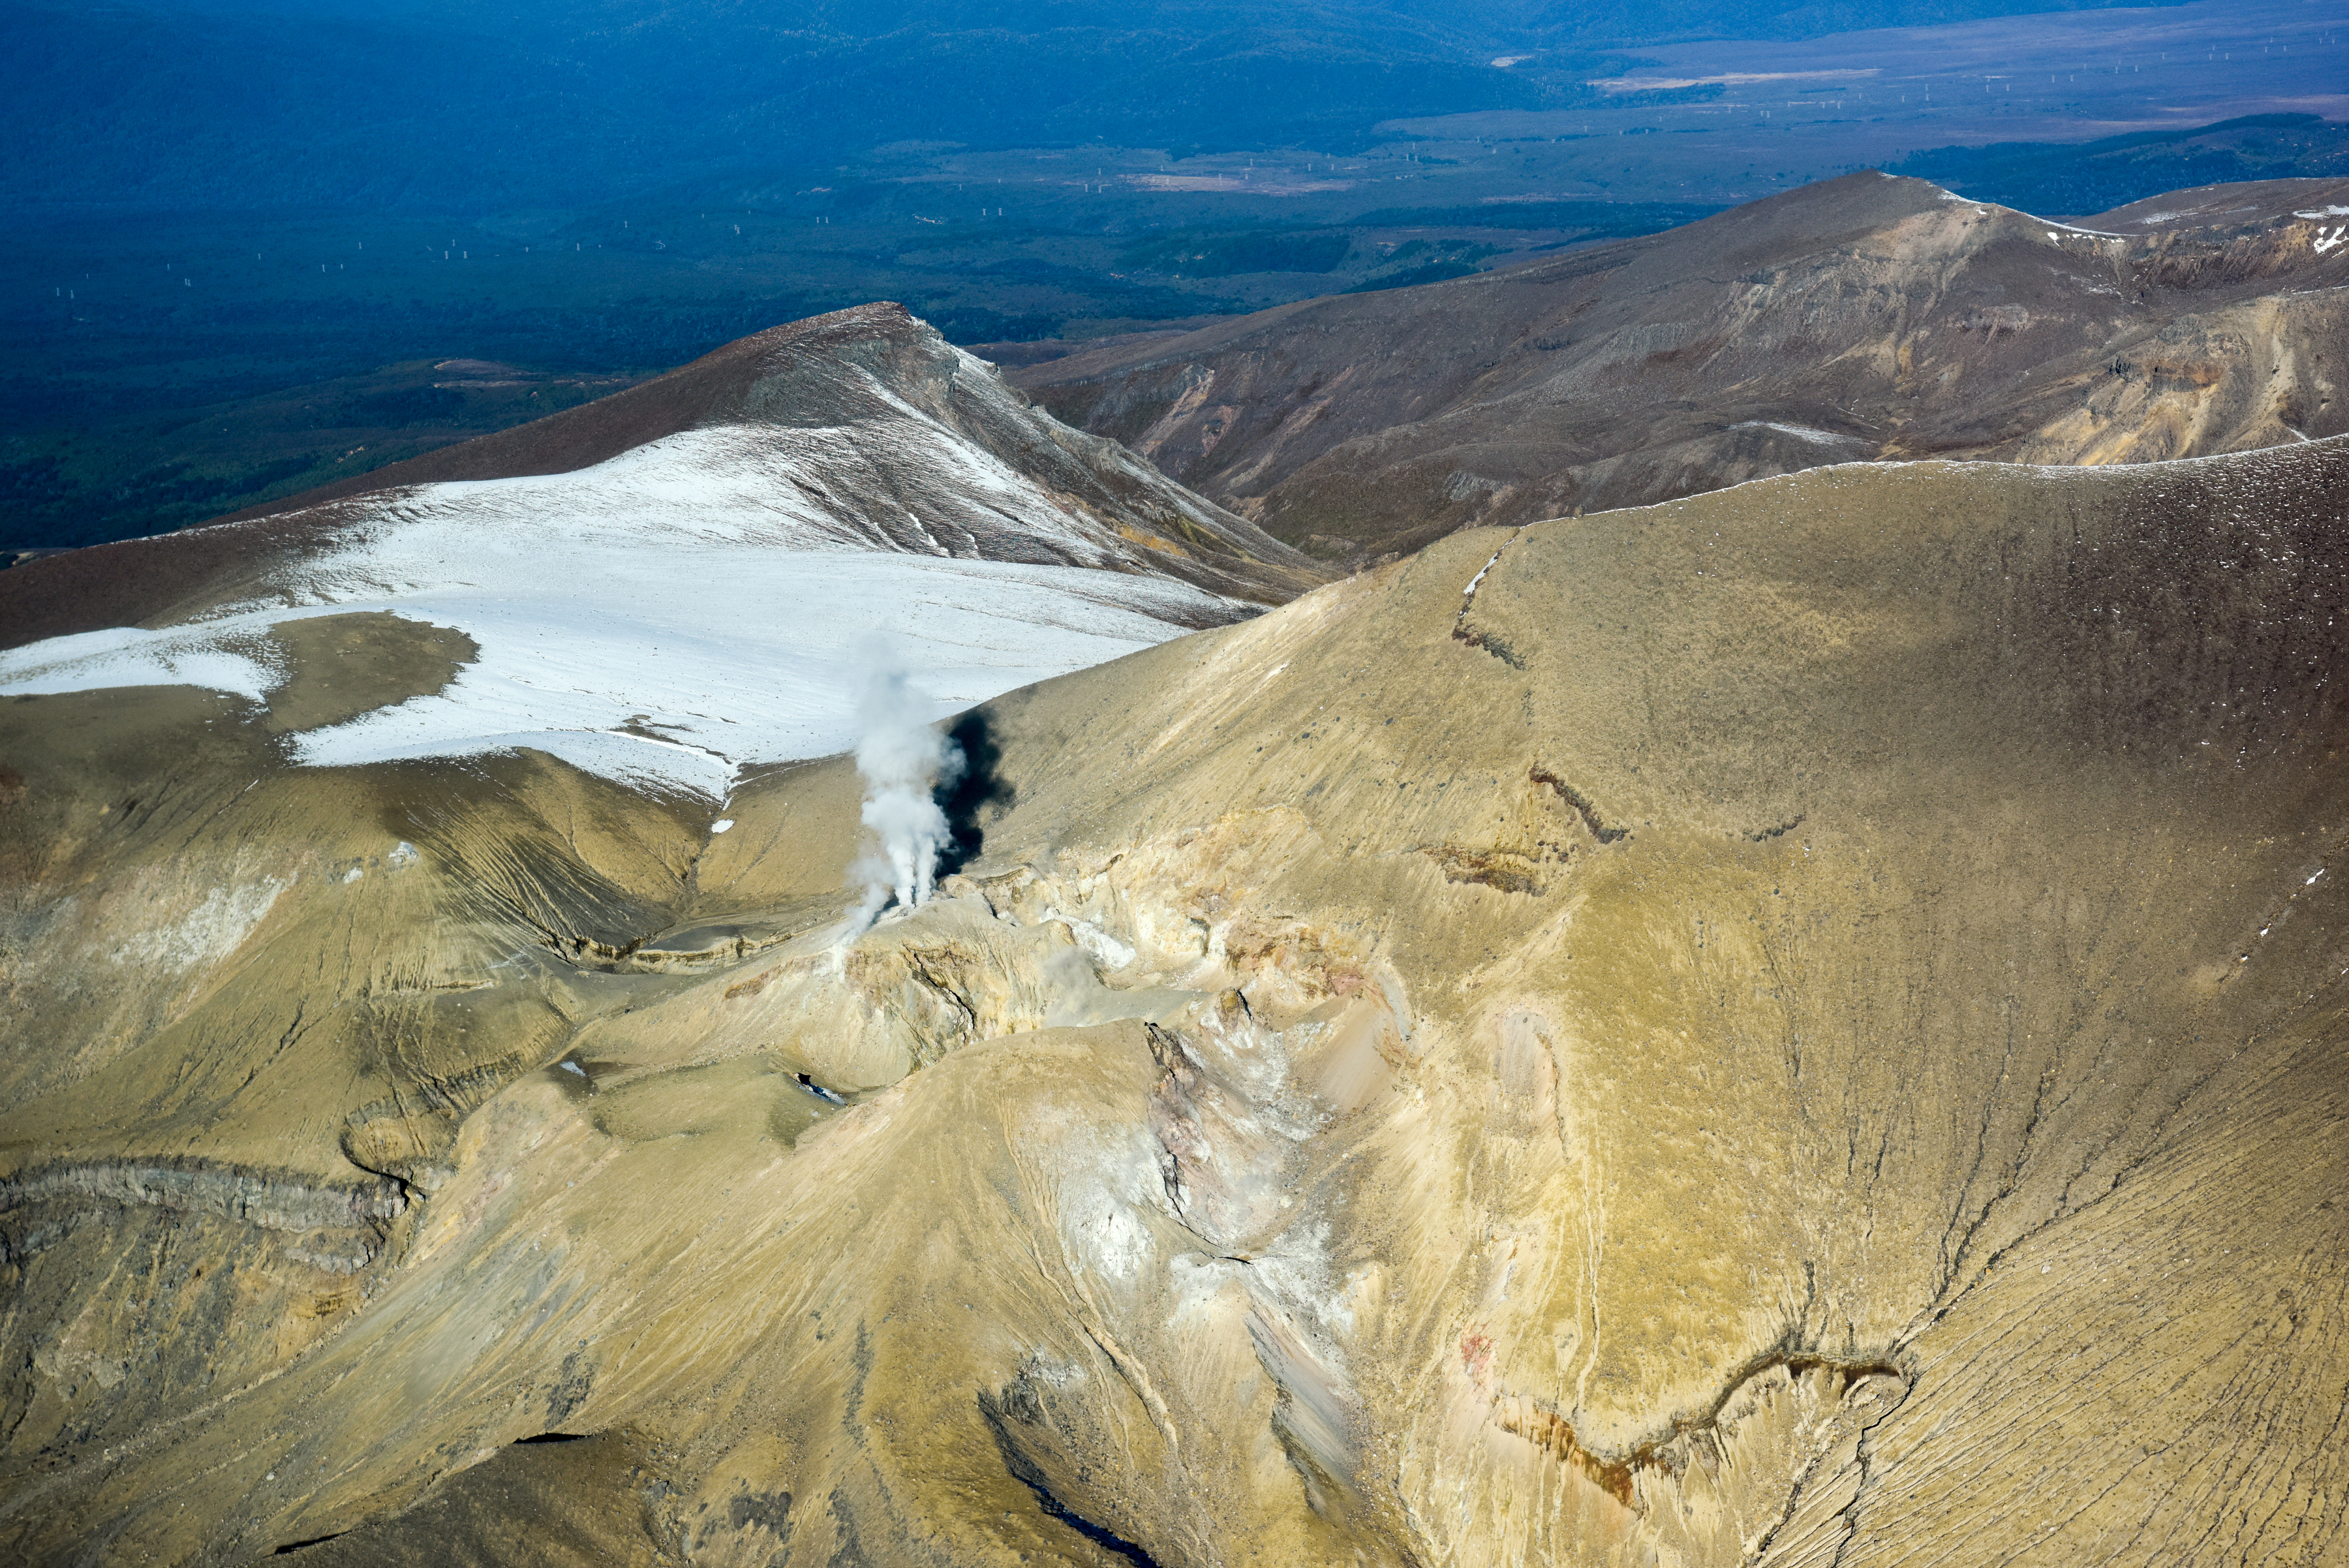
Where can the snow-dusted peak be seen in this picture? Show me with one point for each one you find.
(694, 601)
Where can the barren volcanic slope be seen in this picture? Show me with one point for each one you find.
(1802, 1025)
(677, 581)
(1865, 317)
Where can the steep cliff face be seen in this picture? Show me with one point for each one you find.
(1865, 317)
(1798, 1025)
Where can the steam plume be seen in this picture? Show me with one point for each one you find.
(904, 763)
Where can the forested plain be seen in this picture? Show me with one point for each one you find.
(246, 242)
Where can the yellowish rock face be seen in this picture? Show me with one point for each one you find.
(1801, 1025)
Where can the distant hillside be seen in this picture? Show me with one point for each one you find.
(2097, 176)
(1860, 319)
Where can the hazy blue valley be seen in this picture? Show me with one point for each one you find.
(244, 237)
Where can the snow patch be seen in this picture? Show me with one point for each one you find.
(133, 656)
(1470, 591)
(1801, 433)
(688, 608)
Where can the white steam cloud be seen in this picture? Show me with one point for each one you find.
(905, 762)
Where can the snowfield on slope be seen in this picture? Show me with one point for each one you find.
(688, 608)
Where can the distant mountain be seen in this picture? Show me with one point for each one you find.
(678, 582)
(2093, 176)
(1865, 317)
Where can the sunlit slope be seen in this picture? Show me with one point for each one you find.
(1795, 1026)
(1866, 316)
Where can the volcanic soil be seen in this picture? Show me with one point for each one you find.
(1862, 318)
(1800, 1023)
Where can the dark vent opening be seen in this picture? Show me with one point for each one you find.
(292, 1546)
